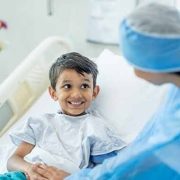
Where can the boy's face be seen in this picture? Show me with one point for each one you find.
(74, 92)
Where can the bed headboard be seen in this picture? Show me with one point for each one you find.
(28, 80)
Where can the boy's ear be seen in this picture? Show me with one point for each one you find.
(96, 91)
(52, 93)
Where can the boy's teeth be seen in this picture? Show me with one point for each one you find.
(75, 103)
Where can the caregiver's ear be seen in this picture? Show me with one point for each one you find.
(96, 91)
(52, 93)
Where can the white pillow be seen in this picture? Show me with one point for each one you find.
(126, 101)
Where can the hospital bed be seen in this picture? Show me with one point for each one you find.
(125, 101)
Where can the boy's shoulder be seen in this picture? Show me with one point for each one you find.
(94, 113)
(41, 117)
(96, 119)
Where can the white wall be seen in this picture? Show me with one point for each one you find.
(29, 23)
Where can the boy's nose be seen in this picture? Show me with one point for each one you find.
(76, 93)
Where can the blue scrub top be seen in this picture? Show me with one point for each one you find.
(154, 154)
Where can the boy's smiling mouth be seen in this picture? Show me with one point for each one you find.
(76, 103)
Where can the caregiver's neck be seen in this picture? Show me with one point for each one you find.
(173, 78)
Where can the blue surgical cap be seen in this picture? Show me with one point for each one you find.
(150, 38)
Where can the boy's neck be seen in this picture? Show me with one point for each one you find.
(61, 112)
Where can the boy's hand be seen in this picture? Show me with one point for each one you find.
(50, 172)
(32, 174)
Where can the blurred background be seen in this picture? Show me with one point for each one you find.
(90, 25)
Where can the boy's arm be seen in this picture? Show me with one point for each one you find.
(17, 162)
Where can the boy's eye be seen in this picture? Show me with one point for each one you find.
(85, 86)
(67, 86)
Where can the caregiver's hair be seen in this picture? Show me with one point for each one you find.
(150, 38)
(176, 73)
(74, 61)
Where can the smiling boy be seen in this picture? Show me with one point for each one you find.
(74, 137)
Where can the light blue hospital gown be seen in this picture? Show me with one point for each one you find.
(155, 154)
(67, 142)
